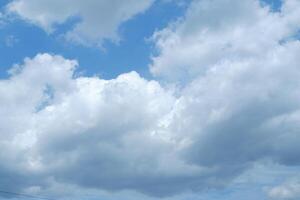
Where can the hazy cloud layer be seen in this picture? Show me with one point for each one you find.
(236, 102)
(286, 191)
(2, 19)
(96, 20)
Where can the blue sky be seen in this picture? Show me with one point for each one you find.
(131, 53)
(150, 99)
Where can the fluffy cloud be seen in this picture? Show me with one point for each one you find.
(214, 32)
(98, 20)
(57, 128)
(236, 65)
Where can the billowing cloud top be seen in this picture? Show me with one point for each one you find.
(236, 103)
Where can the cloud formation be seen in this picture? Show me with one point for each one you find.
(237, 63)
(235, 67)
(287, 191)
(97, 20)
(87, 131)
(212, 32)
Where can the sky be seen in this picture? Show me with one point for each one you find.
(150, 99)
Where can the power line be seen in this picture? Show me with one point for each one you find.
(24, 195)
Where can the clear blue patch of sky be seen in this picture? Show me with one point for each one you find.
(275, 5)
(132, 53)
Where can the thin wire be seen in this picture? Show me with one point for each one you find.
(24, 195)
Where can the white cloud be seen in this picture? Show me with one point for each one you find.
(54, 125)
(218, 31)
(237, 64)
(99, 20)
(287, 191)
(237, 104)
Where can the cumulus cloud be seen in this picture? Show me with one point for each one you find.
(213, 32)
(236, 64)
(57, 128)
(97, 20)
